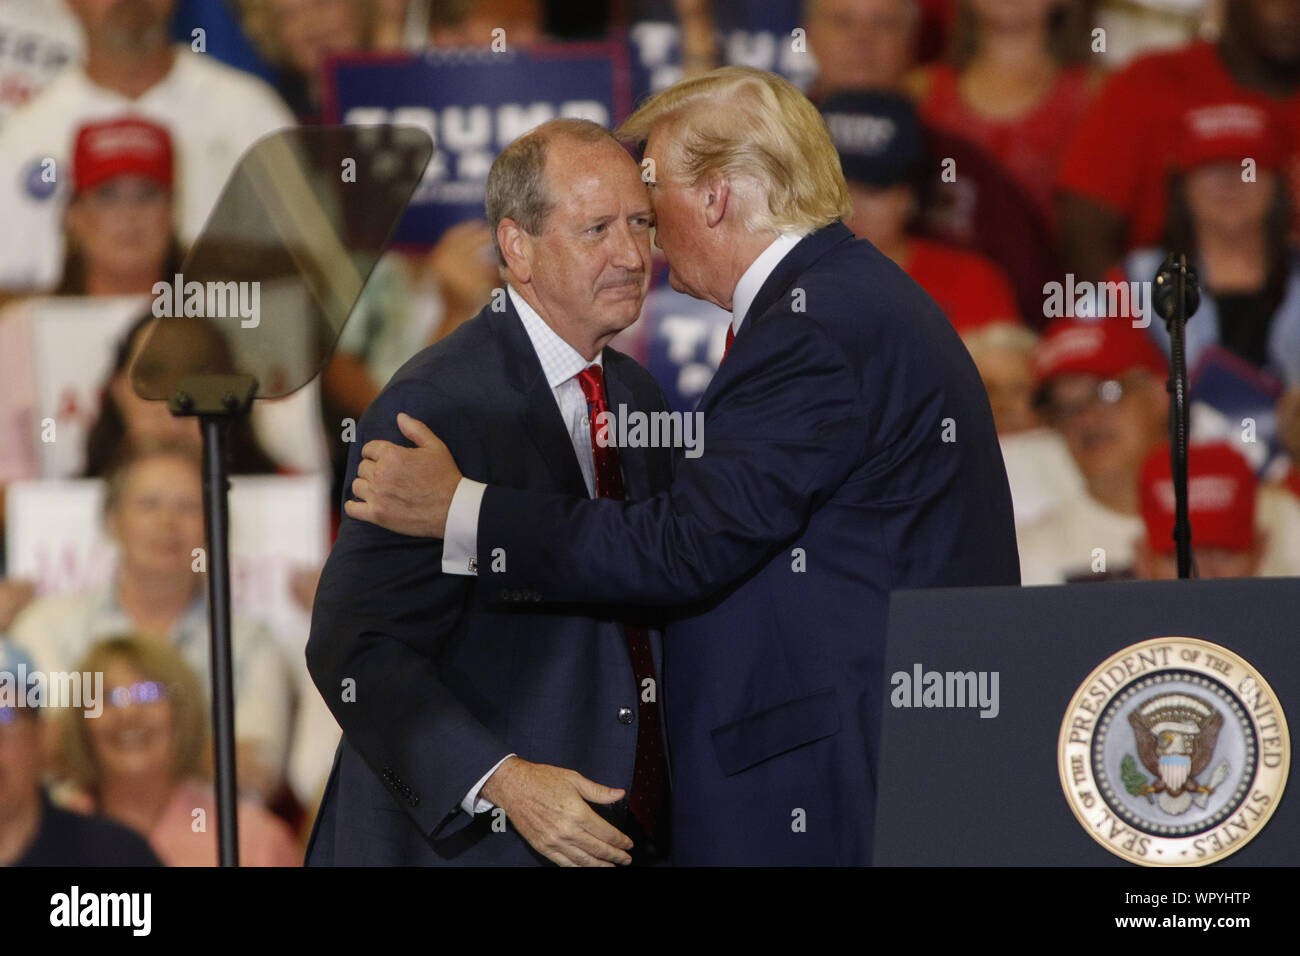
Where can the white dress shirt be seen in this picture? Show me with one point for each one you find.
(758, 272)
(561, 364)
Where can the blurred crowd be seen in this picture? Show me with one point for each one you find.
(1028, 162)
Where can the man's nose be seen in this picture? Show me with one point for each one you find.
(626, 252)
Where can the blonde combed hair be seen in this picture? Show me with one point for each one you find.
(760, 133)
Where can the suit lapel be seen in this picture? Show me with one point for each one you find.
(543, 423)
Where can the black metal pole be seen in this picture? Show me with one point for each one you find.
(216, 512)
(1177, 296)
(1178, 446)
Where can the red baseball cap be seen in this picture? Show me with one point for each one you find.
(1220, 498)
(1106, 348)
(1229, 133)
(122, 147)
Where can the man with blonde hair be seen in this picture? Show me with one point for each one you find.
(850, 450)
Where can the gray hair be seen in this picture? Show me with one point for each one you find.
(516, 183)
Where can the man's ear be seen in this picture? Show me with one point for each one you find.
(716, 193)
(517, 249)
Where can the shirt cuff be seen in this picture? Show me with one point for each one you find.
(473, 803)
(460, 541)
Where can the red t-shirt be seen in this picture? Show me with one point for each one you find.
(971, 290)
(1029, 147)
(1121, 149)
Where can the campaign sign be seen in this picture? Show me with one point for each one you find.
(52, 392)
(473, 103)
(757, 33)
(1234, 401)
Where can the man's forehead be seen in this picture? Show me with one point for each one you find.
(597, 178)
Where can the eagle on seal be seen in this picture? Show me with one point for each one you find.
(1175, 735)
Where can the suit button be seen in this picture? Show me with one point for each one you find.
(625, 715)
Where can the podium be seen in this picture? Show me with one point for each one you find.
(1126, 723)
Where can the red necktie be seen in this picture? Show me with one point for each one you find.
(731, 337)
(648, 771)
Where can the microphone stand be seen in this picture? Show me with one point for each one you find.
(217, 400)
(1177, 297)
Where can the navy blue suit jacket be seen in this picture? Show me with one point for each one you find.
(849, 450)
(436, 677)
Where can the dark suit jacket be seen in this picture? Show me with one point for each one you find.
(435, 677)
(849, 450)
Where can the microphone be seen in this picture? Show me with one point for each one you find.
(1165, 295)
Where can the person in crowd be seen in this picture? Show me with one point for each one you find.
(297, 35)
(984, 209)
(127, 422)
(41, 38)
(33, 831)
(1015, 86)
(119, 241)
(1112, 180)
(881, 151)
(1137, 27)
(212, 111)
(119, 234)
(469, 23)
(1040, 471)
(143, 761)
(1230, 211)
(1004, 353)
(153, 509)
(1221, 508)
(860, 44)
(1103, 387)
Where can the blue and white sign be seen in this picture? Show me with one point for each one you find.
(474, 103)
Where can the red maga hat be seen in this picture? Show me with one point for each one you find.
(1106, 348)
(1229, 133)
(1220, 498)
(122, 147)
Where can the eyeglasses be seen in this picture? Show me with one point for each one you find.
(1108, 392)
(141, 692)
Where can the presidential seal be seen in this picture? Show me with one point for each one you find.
(1174, 752)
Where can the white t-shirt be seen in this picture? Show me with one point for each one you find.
(1040, 471)
(214, 113)
(1277, 516)
(1061, 545)
(38, 39)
